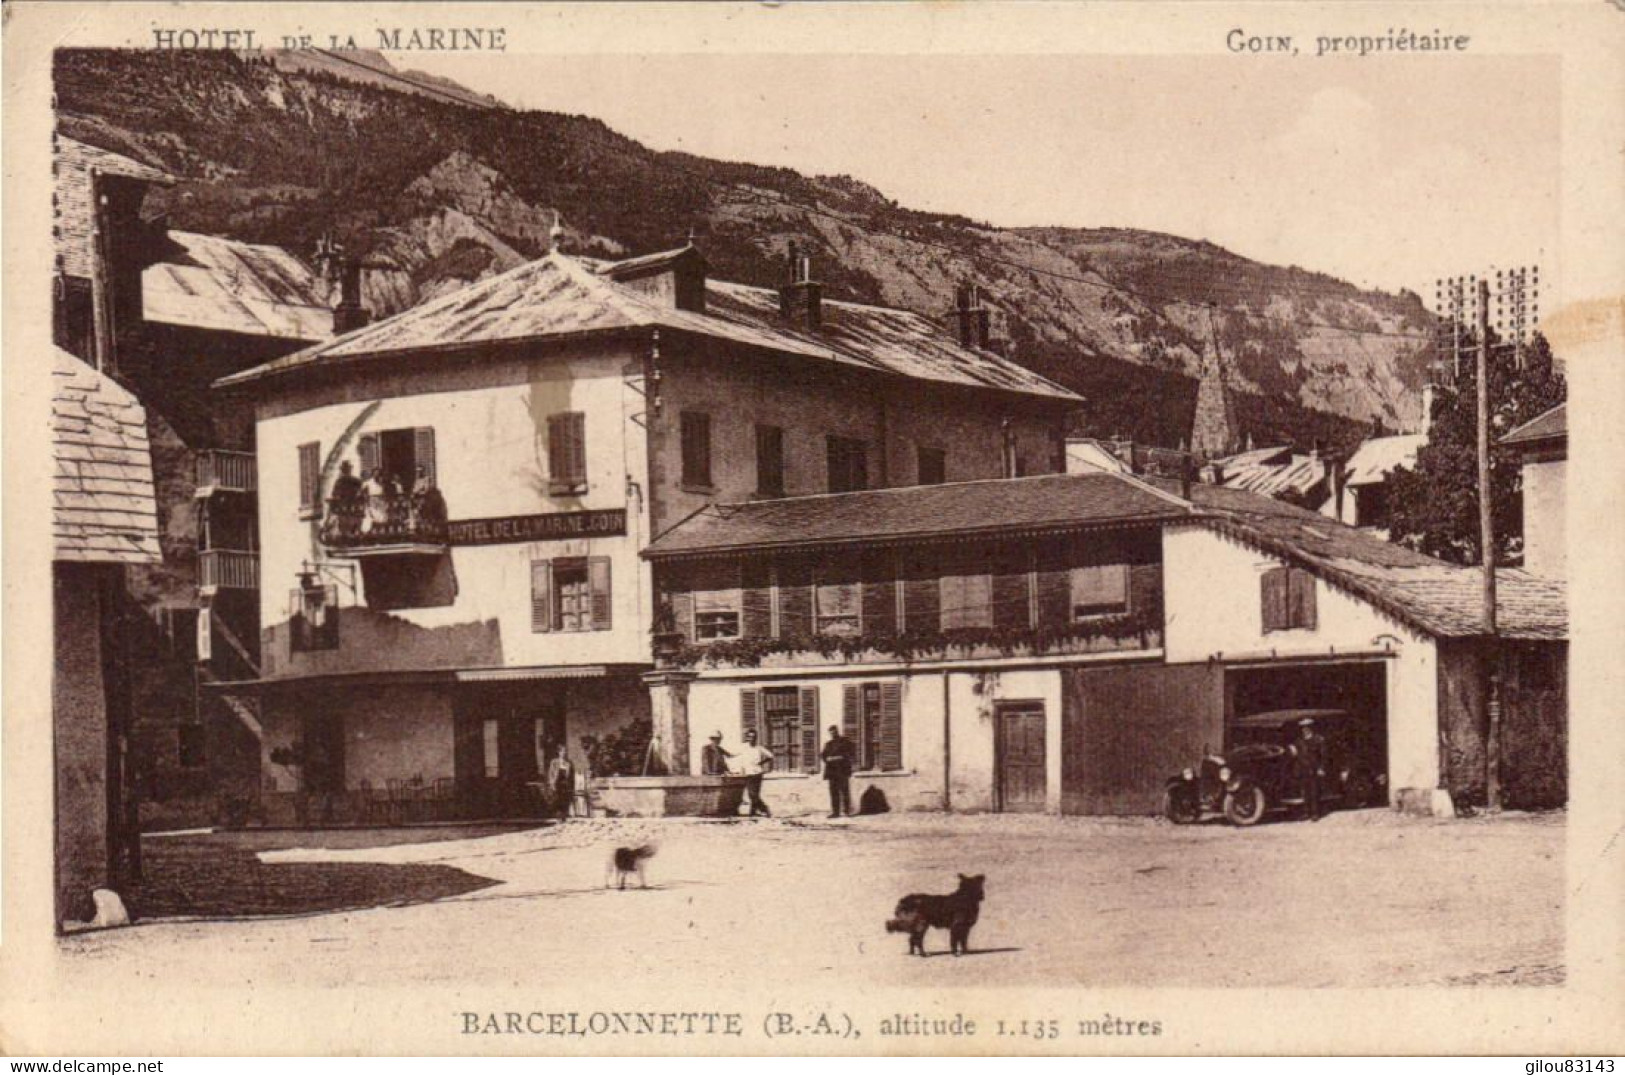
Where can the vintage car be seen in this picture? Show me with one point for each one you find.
(1258, 773)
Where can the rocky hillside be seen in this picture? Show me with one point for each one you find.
(440, 190)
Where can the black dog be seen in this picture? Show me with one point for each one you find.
(956, 914)
(628, 862)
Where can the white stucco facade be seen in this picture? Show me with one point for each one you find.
(1212, 587)
(1545, 549)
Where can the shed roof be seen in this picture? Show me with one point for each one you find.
(74, 165)
(1552, 425)
(559, 295)
(1440, 599)
(104, 507)
(920, 512)
(1273, 472)
(222, 284)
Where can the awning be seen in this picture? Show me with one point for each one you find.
(427, 676)
(568, 671)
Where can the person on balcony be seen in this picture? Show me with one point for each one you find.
(428, 505)
(344, 505)
(376, 516)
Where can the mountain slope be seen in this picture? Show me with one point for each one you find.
(441, 192)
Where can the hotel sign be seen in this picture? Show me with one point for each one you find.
(554, 526)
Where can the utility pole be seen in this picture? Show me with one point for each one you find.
(1486, 539)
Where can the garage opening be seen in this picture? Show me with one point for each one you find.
(1358, 688)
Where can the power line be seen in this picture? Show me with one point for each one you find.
(784, 201)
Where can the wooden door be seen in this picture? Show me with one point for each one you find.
(1021, 757)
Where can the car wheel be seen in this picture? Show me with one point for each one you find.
(1245, 805)
(1179, 805)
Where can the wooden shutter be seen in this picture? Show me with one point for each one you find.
(809, 729)
(682, 611)
(310, 476)
(922, 602)
(756, 602)
(1054, 585)
(851, 700)
(750, 709)
(367, 449)
(423, 452)
(1012, 601)
(696, 437)
(795, 599)
(891, 725)
(1301, 593)
(879, 611)
(1273, 590)
(541, 595)
(567, 450)
(598, 582)
(769, 460)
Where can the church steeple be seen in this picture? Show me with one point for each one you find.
(1213, 428)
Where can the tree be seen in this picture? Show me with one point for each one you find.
(1434, 507)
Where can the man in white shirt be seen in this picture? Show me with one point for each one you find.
(752, 762)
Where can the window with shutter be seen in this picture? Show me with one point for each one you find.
(852, 717)
(1099, 590)
(682, 611)
(695, 427)
(967, 600)
(310, 479)
(781, 732)
(598, 580)
(717, 602)
(809, 730)
(756, 599)
(572, 596)
(1273, 591)
(835, 606)
(541, 596)
(567, 453)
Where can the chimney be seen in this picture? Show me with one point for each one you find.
(801, 299)
(349, 314)
(975, 320)
(1335, 478)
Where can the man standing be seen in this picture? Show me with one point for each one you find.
(561, 782)
(839, 755)
(752, 762)
(1309, 758)
(713, 759)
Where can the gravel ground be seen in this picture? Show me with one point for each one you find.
(1360, 899)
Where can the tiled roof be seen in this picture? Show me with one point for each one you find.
(104, 508)
(1048, 502)
(228, 286)
(1378, 457)
(1438, 598)
(560, 295)
(73, 215)
(1549, 426)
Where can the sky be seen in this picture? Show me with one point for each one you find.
(1387, 172)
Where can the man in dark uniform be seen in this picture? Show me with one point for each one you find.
(713, 759)
(1309, 759)
(839, 755)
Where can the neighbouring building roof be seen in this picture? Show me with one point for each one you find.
(558, 295)
(1273, 472)
(1440, 599)
(1378, 457)
(104, 507)
(228, 286)
(1552, 425)
(1050, 502)
(74, 165)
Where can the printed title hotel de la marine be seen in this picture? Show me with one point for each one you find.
(722, 508)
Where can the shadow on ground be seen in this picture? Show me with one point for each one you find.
(220, 875)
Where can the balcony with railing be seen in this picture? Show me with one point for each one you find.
(227, 569)
(220, 471)
(386, 524)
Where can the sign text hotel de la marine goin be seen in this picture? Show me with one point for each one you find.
(552, 526)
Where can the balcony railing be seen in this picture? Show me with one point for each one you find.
(221, 471)
(227, 569)
(386, 521)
